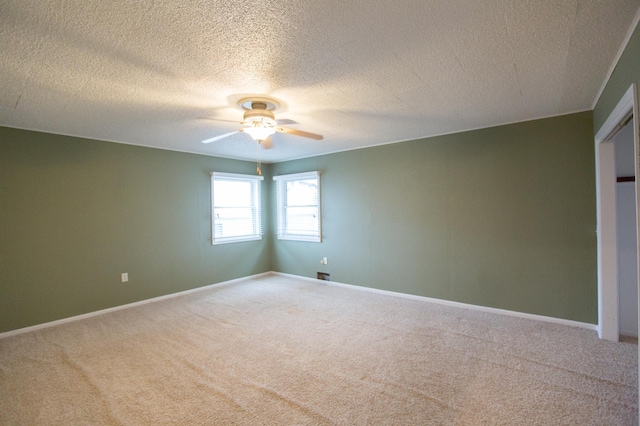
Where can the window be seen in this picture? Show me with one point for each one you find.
(235, 208)
(298, 207)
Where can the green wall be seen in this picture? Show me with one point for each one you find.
(627, 72)
(75, 213)
(502, 217)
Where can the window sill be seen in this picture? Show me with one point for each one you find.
(307, 238)
(235, 240)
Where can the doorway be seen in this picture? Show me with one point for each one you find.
(625, 113)
(627, 233)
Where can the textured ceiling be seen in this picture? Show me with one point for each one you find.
(360, 72)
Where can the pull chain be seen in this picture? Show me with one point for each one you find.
(259, 166)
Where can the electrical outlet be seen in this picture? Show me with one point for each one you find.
(324, 261)
(124, 277)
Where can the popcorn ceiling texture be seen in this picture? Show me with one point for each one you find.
(359, 72)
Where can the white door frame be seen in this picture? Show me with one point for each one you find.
(608, 327)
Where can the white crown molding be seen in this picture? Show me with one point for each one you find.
(614, 64)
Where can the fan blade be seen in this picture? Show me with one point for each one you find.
(217, 138)
(286, 121)
(267, 143)
(299, 133)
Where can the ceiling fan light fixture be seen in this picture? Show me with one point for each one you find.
(260, 122)
(259, 133)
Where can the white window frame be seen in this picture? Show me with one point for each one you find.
(281, 218)
(255, 203)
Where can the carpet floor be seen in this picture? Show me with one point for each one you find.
(280, 351)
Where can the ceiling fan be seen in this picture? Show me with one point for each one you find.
(260, 122)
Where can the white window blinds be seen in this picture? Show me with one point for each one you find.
(235, 208)
(298, 207)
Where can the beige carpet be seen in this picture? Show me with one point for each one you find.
(279, 351)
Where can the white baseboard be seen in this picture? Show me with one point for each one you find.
(535, 317)
(355, 287)
(127, 306)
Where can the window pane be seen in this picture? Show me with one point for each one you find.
(233, 222)
(302, 192)
(235, 213)
(301, 220)
(298, 207)
(230, 193)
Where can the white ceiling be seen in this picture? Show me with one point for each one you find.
(360, 72)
